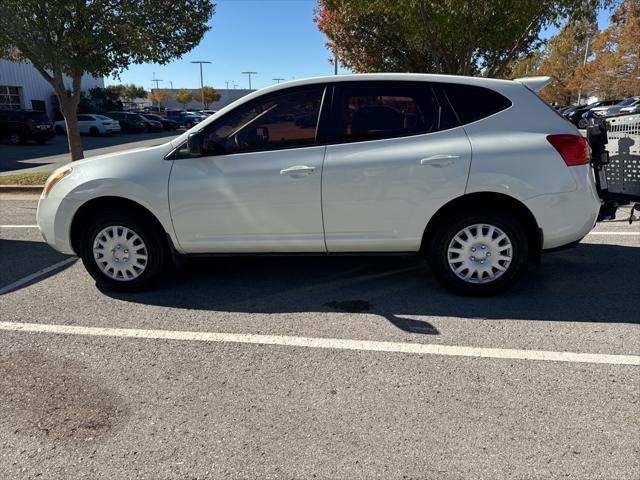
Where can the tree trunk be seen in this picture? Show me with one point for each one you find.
(68, 107)
(69, 110)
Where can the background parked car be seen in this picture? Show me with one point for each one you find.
(615, 109)
(20, 126)
(183, 118)
(165, 122)
(152, 125)
(129, 122)
(575, 115)
(92, 124)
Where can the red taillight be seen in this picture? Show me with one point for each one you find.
(573, 149)
(30, 123)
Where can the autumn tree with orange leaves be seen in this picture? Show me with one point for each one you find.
(614, 70)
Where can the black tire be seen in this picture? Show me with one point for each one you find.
(94, 131)
(151, 235)
(583, 123)
(439, 257)
(188, 125)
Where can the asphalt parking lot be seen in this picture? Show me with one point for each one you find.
(55, 152)
(319, 367)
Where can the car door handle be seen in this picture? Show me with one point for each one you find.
(439, 161)
(298, 171)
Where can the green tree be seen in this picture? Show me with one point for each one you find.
(100, 37)
(463, 37)
(184, 96)
(210, 95)
(105, 99)
(130, 92)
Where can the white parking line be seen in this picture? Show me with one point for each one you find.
(18, 226)
(33, 276)
(327, 343)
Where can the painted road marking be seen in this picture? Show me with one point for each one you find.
(33, 276)
(18, 226)
(326, 343)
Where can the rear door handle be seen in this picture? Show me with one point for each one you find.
(298, 171)
(439, 161)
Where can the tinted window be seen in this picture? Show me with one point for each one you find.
(472, 103)
(284, 121)
(85, 118)
(383, 111)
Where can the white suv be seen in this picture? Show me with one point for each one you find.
(478, 175)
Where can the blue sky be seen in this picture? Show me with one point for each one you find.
(276, 38)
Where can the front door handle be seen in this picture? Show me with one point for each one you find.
(298, 171)
(439, 161)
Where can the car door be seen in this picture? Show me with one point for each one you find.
(84, 123)
(396, 157)
(256, 185)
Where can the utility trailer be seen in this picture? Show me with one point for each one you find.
(615, 158)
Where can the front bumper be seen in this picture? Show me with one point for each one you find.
(54, 216)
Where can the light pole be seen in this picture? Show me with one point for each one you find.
(156, 80)
(586, 55)
(278, 80)
(201, 81)
(227, 82)
(249, 73)
(171, 83)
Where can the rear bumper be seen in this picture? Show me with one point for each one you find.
(566, 218)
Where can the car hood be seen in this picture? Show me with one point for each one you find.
(129, 154)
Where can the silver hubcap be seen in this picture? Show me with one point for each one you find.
(480, 253)
(120, 253)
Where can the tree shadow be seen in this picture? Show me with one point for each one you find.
(591, 283)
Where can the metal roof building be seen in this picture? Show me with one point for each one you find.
(22, 86)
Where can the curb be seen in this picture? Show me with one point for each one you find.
(35, 189)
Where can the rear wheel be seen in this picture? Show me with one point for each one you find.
(583, 123)
(122, 251)
(479, 253)
(94, 131)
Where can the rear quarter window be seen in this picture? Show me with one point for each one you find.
(473, 103)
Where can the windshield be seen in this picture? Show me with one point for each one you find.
(627, 101)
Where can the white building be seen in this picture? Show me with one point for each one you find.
(22, 86)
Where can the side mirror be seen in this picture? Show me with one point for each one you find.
(194, 143)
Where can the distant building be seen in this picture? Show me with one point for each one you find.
(22, 86)
(226, 97)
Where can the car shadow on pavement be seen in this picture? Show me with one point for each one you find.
(591, 283)
(21, 258)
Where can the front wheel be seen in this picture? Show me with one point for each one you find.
(479, 253)
(583, 123)
(122, 252)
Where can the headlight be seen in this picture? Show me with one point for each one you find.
(54, 178)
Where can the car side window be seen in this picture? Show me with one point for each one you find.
(384, 111)
(276, 122)
(472, 103)
(84, 118)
